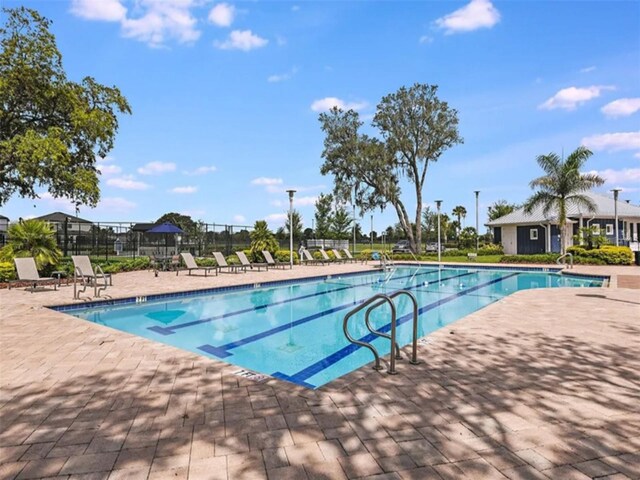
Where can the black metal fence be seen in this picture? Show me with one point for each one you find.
(130, 239)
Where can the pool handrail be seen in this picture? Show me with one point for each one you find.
(414, 341)
(382, 298)
(563, 256)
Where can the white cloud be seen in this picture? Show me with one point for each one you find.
(127, 183)
(59, 203)
(243, 40)
(636, 155)
(622, 107)
(626, 175)
(277, 218)
(184, 190)
(156, 168)
(476, 14)
(425, 39)
(587, 69)
(157, 20)
(201, 170)
(304, 201)
(222, 14)
(327, 103)
(116, 204)
(239, 218)
(570, 98)
(266, 181)
(108, 169)
(105, 10)
(277, 203)
(613, 141)
(283, 76)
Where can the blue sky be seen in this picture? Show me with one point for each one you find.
(226, 96)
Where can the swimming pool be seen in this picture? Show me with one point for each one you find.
(294, 331)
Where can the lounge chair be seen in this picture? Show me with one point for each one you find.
(271, 262)
(83, 271)
(191, 265)
(349, 257)
(326, 257)
(222, 264)
(339, 258)
(308, 259)
(246, 263)
(27, 272)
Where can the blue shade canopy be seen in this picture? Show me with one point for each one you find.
(165, 227)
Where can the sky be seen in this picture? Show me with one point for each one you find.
(226, 97)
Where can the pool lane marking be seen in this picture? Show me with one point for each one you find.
(223, 350)
(171, 330)
(303, 375)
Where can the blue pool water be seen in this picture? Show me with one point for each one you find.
(294, 331)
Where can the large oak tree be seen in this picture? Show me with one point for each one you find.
(415, 127)
(51, 129)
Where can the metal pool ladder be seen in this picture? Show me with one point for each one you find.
(373, 303)
(563, 257)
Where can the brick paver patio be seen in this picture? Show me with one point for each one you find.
(542, 384)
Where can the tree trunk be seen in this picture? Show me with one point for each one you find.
(415, 247)
(404, 220)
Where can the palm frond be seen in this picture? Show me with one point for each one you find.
(578, 157)
(539, 199)
(550, 163)
(582, 201)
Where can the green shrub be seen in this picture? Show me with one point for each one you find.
(7, 272)
(605, 255)
(283, 256)
(491, 249)
(206, 262)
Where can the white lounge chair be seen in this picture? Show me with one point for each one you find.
(246, 263)
(349, 257)
(191, 265)
(28, 272)
(271, 262)
(307, 258)
(84, 273)
(326, 257)
(222, 264)
(339, 258)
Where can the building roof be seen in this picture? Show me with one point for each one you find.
(604, 208)
(142, 227)
(61, 217)
(2, 217)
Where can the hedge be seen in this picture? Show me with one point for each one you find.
(605, 255)
(539, 258)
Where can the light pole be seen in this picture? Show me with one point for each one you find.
(438, 204)
(371, 233)
(616, 191)
(477, 192)
(354, 221)
(291, 192)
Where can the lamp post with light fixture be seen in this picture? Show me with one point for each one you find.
(438, 204)
(477, 192)
(291, 192)
(616, 191)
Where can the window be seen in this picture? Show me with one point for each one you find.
(533, 234)
(595, 229)
(609, 229)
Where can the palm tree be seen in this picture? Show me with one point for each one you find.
(262, 239)
(460, 212)
(32, 238)
(500, 208)
(563, 186)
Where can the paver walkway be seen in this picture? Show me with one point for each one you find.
(538, 385)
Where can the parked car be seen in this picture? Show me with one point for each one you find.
(403, 246)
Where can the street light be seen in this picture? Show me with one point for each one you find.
(477, 192)
(616, 191)
(371, 233)
(438, 204)
(354, 220)
(291, 192)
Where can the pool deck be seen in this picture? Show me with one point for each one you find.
(539, 385)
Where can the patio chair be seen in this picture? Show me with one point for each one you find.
(326, 257)
(246, 263)
(222, 264)
(191, 264)
(307, 258)
(28, 272)
(271, 262)
(349, 257)
(339, 258)
(84, 272)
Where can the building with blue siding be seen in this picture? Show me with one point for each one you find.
(521, 233)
